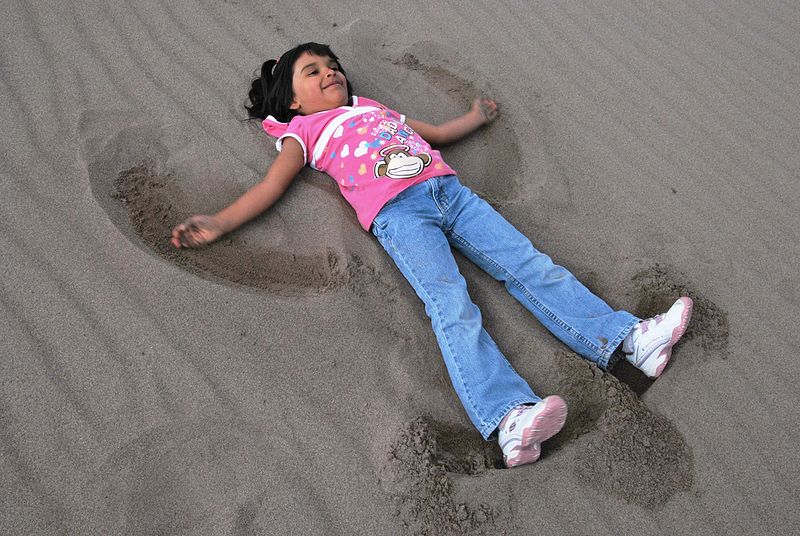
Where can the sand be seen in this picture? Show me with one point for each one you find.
(286, 380)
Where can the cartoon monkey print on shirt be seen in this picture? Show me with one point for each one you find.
(399, 163)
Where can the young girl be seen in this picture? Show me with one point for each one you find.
(412, 201)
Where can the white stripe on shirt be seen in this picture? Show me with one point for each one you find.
(331, 127)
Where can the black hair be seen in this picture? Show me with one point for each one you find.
(271, 93)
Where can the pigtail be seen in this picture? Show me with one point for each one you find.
(260, 92)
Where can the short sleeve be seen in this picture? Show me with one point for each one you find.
(294, 129)
(300, 139)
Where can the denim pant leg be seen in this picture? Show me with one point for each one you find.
(556, 298)
(410, 229)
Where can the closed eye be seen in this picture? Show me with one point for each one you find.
(333, 67)
(314, 66)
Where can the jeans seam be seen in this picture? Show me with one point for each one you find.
(566, 327)
(447, 339)
(443, 207)
(604, 362)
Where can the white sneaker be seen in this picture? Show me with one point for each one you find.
(524, 428)
(649, 345)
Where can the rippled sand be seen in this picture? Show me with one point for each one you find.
(286, 380)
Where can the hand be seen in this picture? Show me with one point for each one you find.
(196, 231)
(486, 108)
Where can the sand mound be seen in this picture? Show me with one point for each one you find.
(625, 449)
(419, 475)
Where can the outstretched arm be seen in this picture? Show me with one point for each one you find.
(201, 229)
(483, 111)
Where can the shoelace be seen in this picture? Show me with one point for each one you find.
(513, 418)
(652, 322)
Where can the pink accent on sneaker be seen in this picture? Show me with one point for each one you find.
(539, 423)
(657, 336)
(677, 333)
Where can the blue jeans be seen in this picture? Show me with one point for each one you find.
(417, 229)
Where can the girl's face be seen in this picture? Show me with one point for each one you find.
(318, 84)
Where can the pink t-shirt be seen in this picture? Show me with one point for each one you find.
(366, 148)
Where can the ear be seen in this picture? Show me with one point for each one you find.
(294, 105)
(380, 168)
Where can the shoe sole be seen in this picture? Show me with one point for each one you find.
(545, 425)
(677, 333)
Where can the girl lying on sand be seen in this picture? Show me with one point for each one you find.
(412, 201)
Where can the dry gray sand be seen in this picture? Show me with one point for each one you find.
(285, 380)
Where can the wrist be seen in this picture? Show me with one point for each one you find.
(222, 224)
(478, 117)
